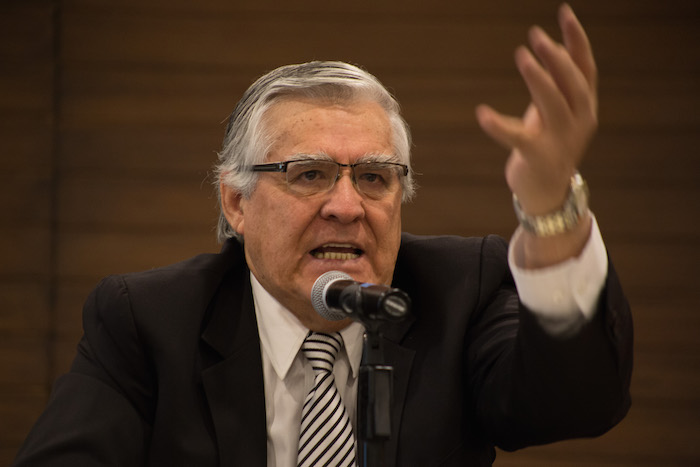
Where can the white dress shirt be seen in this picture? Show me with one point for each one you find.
(289, 377)
(563, 296)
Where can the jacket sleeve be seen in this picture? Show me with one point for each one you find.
(99, 412)
(531, 387)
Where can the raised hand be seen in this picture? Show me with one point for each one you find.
(548, 142)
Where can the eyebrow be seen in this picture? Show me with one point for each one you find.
(325, 157)
(303, 156)
(379, 158)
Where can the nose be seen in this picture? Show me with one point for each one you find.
(344, 202)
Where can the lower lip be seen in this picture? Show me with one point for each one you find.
(322, 265)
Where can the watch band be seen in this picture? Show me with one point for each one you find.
(562, 220)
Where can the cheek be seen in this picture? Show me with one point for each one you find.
(389, 221)
(262, 229)
(277, 229)
(386, 226)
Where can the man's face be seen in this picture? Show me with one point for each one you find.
(287, 235)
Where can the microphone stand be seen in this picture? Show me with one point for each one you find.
(373, 305)
(374, 397)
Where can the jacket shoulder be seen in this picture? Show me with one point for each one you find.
(452, 263)
(163, 297)
(452, 249)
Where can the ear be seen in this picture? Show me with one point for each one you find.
(231, 206)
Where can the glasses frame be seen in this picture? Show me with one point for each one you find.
(281, 167)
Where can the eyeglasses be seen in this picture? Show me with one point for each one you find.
(311, 176)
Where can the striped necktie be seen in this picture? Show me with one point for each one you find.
(326, 434)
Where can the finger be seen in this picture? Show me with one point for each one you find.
(577, 43)
(546, 95)
(504, 129)
(563, 70)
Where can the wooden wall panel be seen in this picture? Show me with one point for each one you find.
(243, 38)
(26, 149)
(108, 170)
(495, 9)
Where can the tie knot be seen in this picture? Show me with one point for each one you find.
(321, 350)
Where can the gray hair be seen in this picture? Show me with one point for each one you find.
(247, 141)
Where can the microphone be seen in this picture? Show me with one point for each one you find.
(335, 296)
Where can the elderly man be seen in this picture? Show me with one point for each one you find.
(222, 360)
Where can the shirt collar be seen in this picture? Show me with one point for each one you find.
(281, 333)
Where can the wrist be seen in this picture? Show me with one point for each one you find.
(561, 220)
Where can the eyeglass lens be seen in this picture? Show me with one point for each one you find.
(373, 179)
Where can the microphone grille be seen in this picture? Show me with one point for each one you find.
(318, 295)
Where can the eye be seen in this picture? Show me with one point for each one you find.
(372, 177)
(309, 175)
(375, 174)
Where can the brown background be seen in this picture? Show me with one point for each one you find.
(111, 113)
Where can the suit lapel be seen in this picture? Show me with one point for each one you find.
(233, 381)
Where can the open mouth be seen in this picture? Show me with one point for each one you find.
(337, 251)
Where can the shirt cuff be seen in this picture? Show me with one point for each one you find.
(564, 294)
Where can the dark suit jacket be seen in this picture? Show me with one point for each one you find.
(169, 369)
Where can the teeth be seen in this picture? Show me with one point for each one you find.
(322, 253)
(334, 255)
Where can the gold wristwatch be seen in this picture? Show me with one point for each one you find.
(561, 220)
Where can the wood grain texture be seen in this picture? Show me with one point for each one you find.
(27, 71)
(111, 114)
